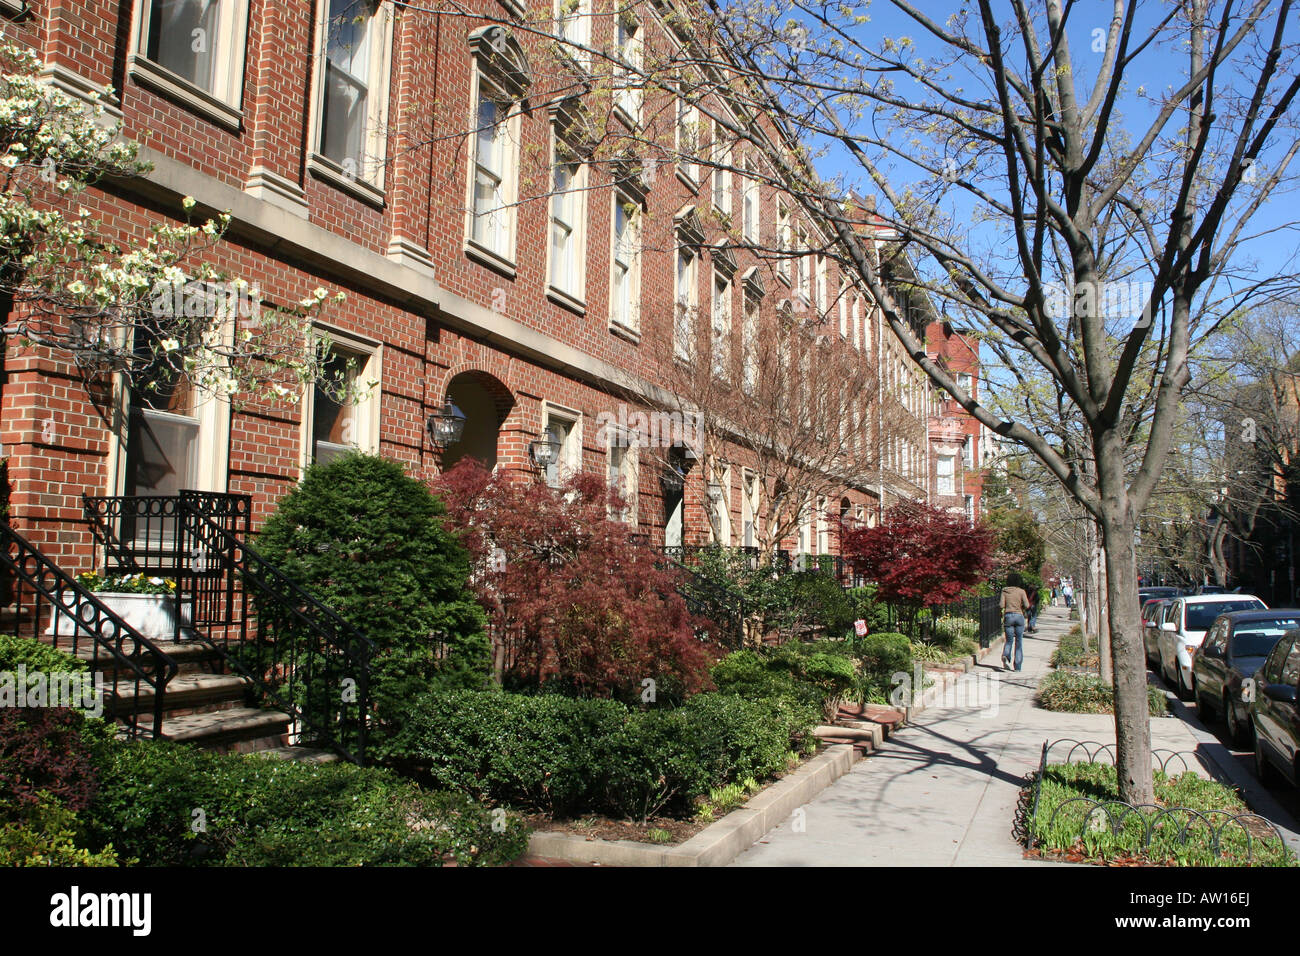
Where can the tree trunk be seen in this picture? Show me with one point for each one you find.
(1105, 660)
(1132, 717)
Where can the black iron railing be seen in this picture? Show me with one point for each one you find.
(299, 655)
(46, 604)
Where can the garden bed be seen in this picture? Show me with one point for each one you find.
(1074, 692)
(1197, 822)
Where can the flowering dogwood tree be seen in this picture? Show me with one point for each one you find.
(154, 311)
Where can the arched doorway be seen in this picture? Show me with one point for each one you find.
(486, 403)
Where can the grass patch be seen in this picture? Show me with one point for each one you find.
(1074, 693)
(1070, 651)
(1084, 832)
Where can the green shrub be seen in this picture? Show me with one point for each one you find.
(35, 656)
(867, 608)
(811, 600)
(1069, 651)
(953, 631)
(566, 757)
(756, 676)
(171, 804)
(369, 542)
(47, 836)
(1077, 693)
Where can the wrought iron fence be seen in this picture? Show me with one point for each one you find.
(298, 654)
(46, 604)
(1174, 825)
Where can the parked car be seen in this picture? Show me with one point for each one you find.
(1233, 650)
(1153, 613)
(1273, 711)
(1183, 627)
(1149, 593)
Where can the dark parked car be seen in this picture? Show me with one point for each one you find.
(1234, 648)
(1146, 594)
(1273, 711)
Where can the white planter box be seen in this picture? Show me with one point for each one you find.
(153, 615)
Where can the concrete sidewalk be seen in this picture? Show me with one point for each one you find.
(943, 791)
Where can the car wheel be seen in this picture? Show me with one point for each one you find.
(1237, 730)
(1263, 769)
(1183, 692)
(1204, 709)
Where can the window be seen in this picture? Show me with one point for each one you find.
(193, 51)
(823, 529)
(783, 240)
(805, 527)
(337, 428)
(969, 505)
(945, 465)
(965, 382)
(566, 425)
(498, 83)
(804, 267)
(627, 80)
(350, 138)
(749, 203)
(721, 174)
(625, 280)
(822, 288)
(491, 213)
(720, 511)
(573, 28)
(968, 452)
(855, 322)
(749, 508)
(844, 310)
(721, 323)
(749, 342)
(622, 474)
(687, 132)
(688, 301)
(567, 229)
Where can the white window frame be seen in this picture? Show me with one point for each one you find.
(222, 103)
(567, 209)
(628, 320)
(573, 30)
(569, 460)
(629, 475)
(687, 125)
(369, 408)
(629, 94)
(749, 508)
(751, 319)
(720, 184)
(721, 321)
(721, 473)
(784, 240)
(823, 541)
(751, 211)
(945, 479)
(499, 254)
(365, 177)
(686, 300)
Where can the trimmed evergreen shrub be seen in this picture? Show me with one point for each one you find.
(566, 756)
(369, 542)
(172, 804)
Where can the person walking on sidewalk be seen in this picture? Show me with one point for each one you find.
(1035, 599)
(1015, 605)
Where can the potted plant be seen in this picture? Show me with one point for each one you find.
(145, 602)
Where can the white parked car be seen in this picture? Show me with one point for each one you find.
(1183, 627)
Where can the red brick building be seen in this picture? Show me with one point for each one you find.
(956, 438)
(411, 161)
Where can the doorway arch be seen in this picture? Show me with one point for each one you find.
(487, 404)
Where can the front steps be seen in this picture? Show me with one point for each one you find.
(203, 705)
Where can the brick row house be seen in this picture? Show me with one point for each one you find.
(958, 442)
(434, 170)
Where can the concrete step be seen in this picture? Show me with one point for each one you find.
(887, 717)
(863, 741)
(312, 755)
(185, 691)
(190, 656)
(242, 729)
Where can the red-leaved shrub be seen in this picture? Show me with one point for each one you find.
(41, 749)
(574, 603)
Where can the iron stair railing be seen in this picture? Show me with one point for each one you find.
(297, 653)
(132, 666)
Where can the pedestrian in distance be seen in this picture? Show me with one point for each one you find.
(1067, 591)
(1015, 605)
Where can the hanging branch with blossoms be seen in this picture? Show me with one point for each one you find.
(157, 313)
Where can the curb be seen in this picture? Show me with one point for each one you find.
(719, 843)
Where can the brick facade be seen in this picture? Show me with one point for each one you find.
(438, 318)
